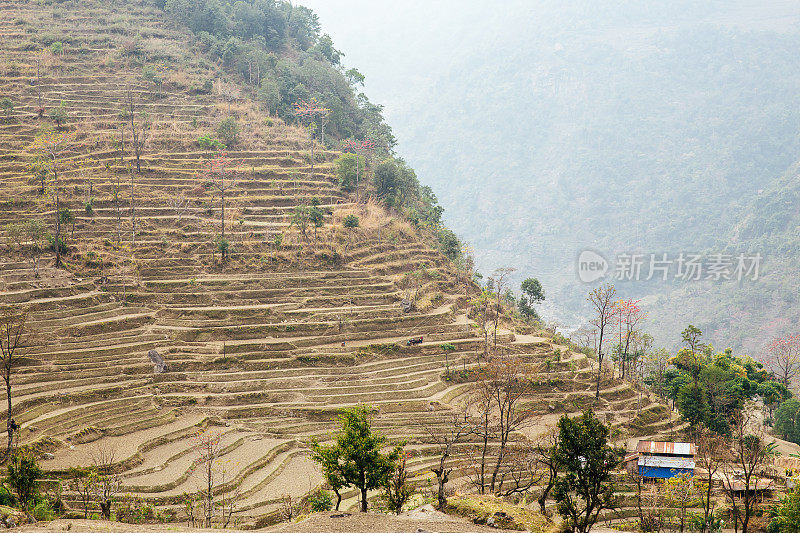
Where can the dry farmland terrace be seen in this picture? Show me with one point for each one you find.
(262, 349)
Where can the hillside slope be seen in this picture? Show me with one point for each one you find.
(261, 349)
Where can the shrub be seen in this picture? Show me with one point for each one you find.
(210, 143)
(57, 48)
(7, 106)
(43, 511)
(228, 131)
(89, 207)
(223, 246)
(321, 501)
(350, 221)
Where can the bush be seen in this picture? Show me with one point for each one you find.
(210, 143)
(321, 501)
(7, 106)
(43, 511)
(89, 207)
(228, 131)
(223, 246)
(350, 221)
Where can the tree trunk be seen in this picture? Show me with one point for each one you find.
(599, 364)
(363, 500)
(9, 426)
(338, 498)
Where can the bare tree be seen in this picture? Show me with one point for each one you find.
(49, 147)
(506, 384)
(139, 132)
(484, 427)
(602, 302)
(500, 280)
(12, 333)
(179, 204)
(545, 449)
(783, 358)
(711, 452)
(107, 482)
(29, 233)
(208, 446)
(445, 439)
(745, 471)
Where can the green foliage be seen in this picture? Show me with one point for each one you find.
(43, 511)
(300, 218)
(786, 518)
(283, 43)
(57, 48)
(59, 114)
(88, 207)
(346, 170)
(710, 388)
(350, 221)
(7, 106)
(532, 293)
(23, 473)
(210, 143)
(587, 460)
(223, 246)
(228, 132)
(787, 420)
(397, 490)
(356, 458)
(449, 244)
(320, 501)
(395, 182)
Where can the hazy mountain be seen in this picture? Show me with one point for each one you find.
(637, 126)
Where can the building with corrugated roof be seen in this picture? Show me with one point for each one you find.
(661, 460)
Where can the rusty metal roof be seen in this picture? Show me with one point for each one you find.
(666, 448)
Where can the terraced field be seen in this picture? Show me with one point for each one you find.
(263, 348)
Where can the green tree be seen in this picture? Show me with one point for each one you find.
(228, 131)
(532, 293)
(59, 115)
(449, 244)
(356, 458)
(586, 459)
(300, 218)
(787, 420)
(346, 170)
(23, 476)
(317, 218)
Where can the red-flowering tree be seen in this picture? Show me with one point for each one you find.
(308, 111)
(220, 174)
(628, 315)
(783, 358)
